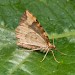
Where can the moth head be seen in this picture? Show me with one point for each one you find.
(52, 46)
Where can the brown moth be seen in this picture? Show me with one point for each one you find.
(31, 35)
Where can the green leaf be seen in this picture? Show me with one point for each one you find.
(57, 18)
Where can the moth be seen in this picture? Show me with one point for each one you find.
(31, 35)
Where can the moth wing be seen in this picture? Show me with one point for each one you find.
(28, 33)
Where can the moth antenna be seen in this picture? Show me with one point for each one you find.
(54, 57)
(53, 40)
(57, 49)
(45, 56)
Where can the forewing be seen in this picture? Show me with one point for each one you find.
(30, 34)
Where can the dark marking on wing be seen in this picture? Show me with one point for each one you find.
(39, 29)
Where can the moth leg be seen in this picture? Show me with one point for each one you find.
(45, 56)
(54, 57)
(61, 52)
